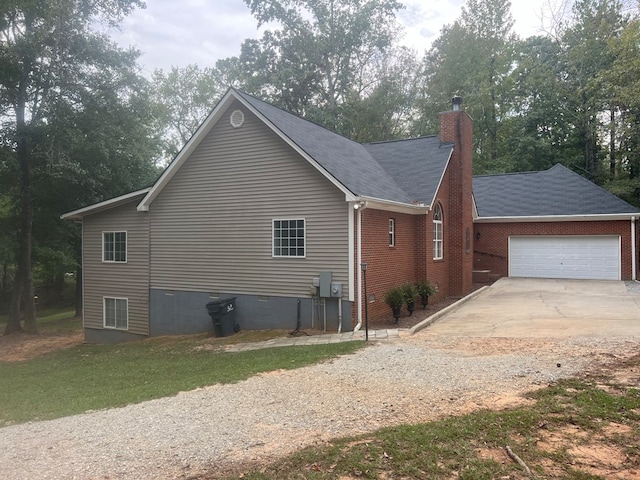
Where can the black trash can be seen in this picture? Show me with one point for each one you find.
(223, 315)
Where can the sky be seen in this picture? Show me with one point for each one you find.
(182, 32)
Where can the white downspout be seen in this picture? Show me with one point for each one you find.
(358, 263)
(633, 248)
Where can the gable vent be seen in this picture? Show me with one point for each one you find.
(236, 119)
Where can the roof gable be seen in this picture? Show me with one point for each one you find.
(385, 171)
(550, 193)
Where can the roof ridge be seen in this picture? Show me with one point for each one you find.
(402, 140)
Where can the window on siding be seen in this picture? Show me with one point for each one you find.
(392, 232)
(437, 233)
(116, 313)
(114, 246)
(289, 238)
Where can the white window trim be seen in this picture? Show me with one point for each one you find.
(126, 246)
(438, 253)
(104, 313)
(392, 232)
(273, 237)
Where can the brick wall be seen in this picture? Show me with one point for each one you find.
(388, 266)
(492, 240)
(457, 127)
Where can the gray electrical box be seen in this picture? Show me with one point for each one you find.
(336, 290)
(325, 284)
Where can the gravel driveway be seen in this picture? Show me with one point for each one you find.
(218, 428)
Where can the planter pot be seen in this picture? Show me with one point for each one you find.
(425, 301)
(411, 307)
(396, 313)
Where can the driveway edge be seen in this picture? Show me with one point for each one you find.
(436, 316)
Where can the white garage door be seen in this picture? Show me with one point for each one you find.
(583, 257)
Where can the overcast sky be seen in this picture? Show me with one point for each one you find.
(180, 32)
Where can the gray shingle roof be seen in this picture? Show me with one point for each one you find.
(402, 171)
(417, 165)
(557, 191)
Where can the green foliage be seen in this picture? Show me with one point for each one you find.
(425, 289)
(409, 292)
(184, 97)
(394, 297)
(94, 377)
(326, 58)
(77, 127)
(473, 58)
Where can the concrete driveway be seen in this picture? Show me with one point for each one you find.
(523, 307)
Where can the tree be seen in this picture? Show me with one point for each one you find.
(184, 98)
(473, 58)
(324, 55)
(587, 54)
(50, 65)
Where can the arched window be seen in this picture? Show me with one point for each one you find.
(437, 233)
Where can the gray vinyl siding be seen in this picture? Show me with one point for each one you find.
(121, 280)
(211, 226)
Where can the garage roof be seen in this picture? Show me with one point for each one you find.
(557, 192)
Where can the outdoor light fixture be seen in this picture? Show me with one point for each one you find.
(358, 205)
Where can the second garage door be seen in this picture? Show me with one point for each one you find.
(581, 257)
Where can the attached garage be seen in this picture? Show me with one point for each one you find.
(579, 257)
(552, 224)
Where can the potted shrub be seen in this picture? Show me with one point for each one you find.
(410, 293)
(425, 290)
(395, 299)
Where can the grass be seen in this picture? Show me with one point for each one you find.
(91, 377)
(52, 319)
(472, 447)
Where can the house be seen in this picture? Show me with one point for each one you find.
(552, 224)
(283, 215)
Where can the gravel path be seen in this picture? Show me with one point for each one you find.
(217, 428)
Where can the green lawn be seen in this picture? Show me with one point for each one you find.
(90, 377)
(52, 319)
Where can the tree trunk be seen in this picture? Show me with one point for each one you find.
(79, 298)
(23, 289)
(13, 325)
(612, 145)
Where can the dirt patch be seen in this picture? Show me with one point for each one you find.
(18, 347)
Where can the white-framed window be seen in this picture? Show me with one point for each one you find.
(437, 233)
(116, 313)
(289, 237)
(392, 232)
(114, 247)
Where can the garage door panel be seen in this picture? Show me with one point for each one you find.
(580, 257)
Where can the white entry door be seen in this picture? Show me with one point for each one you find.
(581, 257)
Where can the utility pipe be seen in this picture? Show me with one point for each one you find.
(633, 248)
(358, 262)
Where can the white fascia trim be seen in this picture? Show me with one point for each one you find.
(474, 207)
(113, 202)
(391, 206)
(557, 218)
(444, 172)
(187, 150)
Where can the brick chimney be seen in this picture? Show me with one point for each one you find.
(456, 126)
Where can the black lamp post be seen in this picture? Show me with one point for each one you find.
(366, 302)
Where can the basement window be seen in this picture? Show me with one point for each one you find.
(116, 313)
